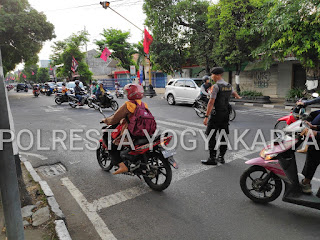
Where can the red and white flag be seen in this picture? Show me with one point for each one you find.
(24, 76)
(32, 73)
(148, 39)
(74, 65)
(51, 68)
(105, 54)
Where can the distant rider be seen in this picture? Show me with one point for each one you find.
(78, 91)
(204, 94)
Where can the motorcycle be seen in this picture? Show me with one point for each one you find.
(153, 165)
(120, 93)
(74, 101)
(200, 107)
(262, 182)
(36, 92)
(294, 115)
(94, 101)
(61, 98)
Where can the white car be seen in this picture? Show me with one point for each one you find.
(183, 90)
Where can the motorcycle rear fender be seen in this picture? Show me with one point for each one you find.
(256, 161)
(288, 119)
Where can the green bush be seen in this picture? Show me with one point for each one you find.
(251, 93)
(295, 93)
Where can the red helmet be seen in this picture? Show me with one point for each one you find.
(133, 91)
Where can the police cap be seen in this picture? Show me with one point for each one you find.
(217, 70)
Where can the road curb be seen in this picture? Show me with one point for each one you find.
(60, 228)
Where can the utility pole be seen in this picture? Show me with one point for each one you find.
(8, 176)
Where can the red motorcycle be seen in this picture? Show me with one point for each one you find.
(152, 163)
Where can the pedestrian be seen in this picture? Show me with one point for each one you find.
(217, 116)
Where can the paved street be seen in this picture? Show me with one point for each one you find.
(203, 202)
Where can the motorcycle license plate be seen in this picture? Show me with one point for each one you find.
(168, 153)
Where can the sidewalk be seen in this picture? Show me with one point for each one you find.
(45, 230)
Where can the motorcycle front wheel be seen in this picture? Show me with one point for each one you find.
(104, 159)
(280, 125)
(160, 174)
(114, 105)
(200, 110)
(251, 182)
(90, 103)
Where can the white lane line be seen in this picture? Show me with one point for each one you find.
(91, 209)
(178, 125)
(96, 220)
(185, 122)
(73, 122)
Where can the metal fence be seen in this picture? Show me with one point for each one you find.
(159, 82)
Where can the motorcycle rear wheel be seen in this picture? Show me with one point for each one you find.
(104, 159)
(58, 101)
(232, 115)
(274, 185)
(162, 167)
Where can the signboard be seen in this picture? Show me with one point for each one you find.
(133, 70)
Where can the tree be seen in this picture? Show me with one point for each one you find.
(43, 75)
(291, 28)
(180, 33)
(63, 51)
(23, 30)
(232, 19)
(117, 41)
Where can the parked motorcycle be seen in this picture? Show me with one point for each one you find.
(262, 182)
(110, 102)
(120, 93)
(61, 98)
(74, 102)
(200, 107)
(153, 165)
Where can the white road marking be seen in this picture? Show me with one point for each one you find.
(186, 122)
(34, 155)
(96, 220)
(91, 209)
(178, 125)
(73, 122)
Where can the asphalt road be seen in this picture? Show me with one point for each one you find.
(201, 203)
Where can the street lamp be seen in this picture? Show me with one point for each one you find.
(105, 4)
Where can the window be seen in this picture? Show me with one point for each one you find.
(179, 83)
(170, 83)
(190, 84)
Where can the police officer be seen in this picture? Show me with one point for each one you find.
(217, 117)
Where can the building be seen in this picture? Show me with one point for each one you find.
(45, 63)
(100, 68)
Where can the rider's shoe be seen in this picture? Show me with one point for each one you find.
(210, 161)
(306, 188)
(122, 169)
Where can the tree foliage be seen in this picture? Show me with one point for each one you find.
(117, 41)
(63, 51)
(233, 21)
(180, 33)
(291, 27)
(43, 75)
(23, 30)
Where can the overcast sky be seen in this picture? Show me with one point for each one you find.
(68, 17)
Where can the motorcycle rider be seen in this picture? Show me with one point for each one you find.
(77, 92)
(204, 94)
(93, 87)
(35, 88)
(64, 90)
(312, 159)
(217, 116)
(134, 92)
(101, 93)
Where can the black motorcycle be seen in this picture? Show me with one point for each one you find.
(109, 102)
(200, 107)
(74, 101)
(120, 93)
(61, 98)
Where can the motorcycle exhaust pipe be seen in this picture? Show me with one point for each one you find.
(197, 110)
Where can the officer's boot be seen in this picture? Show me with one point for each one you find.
(220, 158)
(212, 160)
